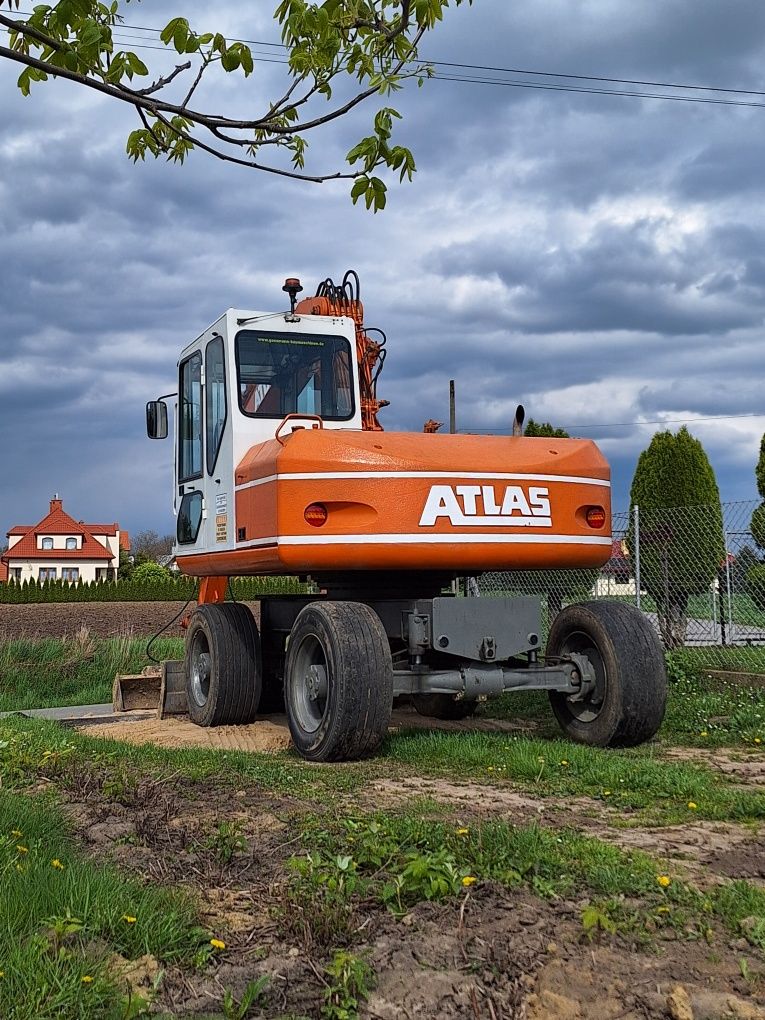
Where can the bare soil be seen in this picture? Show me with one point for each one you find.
(102, 619)
(705, 852)
(492, 953)
(267, 734)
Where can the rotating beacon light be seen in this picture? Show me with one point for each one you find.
(293, 288)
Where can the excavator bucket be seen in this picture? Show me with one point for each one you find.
(158, 687)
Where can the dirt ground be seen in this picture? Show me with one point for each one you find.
(490, 954)
(267, 734)
(102, 619)
(703, 851)
(493, 953)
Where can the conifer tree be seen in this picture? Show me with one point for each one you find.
(681, 533)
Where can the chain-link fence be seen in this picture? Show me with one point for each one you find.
(696, 572)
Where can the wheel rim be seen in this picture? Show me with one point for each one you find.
(201, 668)
(309, 684)
(590, 707)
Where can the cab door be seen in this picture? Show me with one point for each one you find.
(190, 459)
(203, 423)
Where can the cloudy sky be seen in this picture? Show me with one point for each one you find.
(600, 259)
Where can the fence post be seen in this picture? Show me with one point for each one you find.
(636, 512)
(731, 639)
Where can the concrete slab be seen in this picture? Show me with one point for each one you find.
(81, 714)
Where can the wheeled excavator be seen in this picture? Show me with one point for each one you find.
(282, 468)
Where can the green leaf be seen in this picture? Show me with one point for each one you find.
(359, 188)
(246, 57)
(136, 65)
(230, 60)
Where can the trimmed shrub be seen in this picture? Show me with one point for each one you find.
(147, 589)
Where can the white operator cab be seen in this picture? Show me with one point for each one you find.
(237, 382)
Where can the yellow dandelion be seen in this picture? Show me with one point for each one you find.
(663, 910)
(757, 740)
(86, 979)
(217, 943)
(130, 920)
(564, 763)
(490, 768)
(664, 881)
(703, 733)
(462, 832)
(606, 793)
(2, 973)
(692, 805)
(469, 880)
(56, 863)
(20, 867)
(22, 849)
(17, 833)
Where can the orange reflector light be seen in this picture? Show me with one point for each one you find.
(316, 514)
(596, 517)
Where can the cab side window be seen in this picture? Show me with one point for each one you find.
(215, 399)
(190, 415)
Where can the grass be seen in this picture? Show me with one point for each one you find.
(638, 784)
(733, 658)
(80, 670)
(701, 711)
(401, 860)
(62, 917)
(628, 781)
(36, 747)
(49, 672)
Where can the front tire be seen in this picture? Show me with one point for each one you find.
(222, 665)
(626, 707)
(338, 681)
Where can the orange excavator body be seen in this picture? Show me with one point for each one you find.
(321, 497)
(415, 502)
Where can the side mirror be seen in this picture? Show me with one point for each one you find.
(156, 419)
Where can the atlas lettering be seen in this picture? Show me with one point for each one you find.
(512, 506)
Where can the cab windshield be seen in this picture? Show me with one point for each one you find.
(280, 374)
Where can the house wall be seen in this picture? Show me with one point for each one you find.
(30, 569)
(112, 543)
(13, 540)
(59, 541)
(605, 586)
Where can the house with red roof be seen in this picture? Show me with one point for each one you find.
(61, 548)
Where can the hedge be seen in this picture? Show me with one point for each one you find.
(171, 589)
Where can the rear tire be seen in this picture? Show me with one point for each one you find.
(338, 681)
(444, 706)
(627, 706)
(222, 665)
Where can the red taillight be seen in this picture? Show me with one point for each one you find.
(596, 517)
(315, 515)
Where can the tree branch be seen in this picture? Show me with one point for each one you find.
(24, 29)
(161, 82)
(192, 90)
(225, 157)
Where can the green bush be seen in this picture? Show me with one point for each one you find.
(143, 589)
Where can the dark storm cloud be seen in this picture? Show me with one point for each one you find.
(621, 277)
